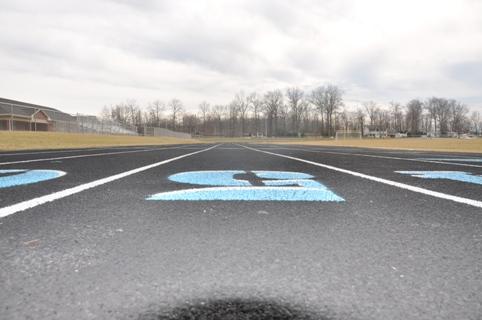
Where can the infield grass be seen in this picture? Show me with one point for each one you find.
(473, 145)
(26, 140)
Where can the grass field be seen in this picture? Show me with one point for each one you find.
(427, 144)
(23, 140)
(435, 144)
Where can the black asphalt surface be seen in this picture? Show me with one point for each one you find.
(107, 253)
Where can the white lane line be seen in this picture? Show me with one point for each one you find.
(53, 151)
(400, 185)
(73, 150)
(380, 157)
(24, 205)
(86, 155)
(20, 153)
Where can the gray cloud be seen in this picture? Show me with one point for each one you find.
(208, 50)
(223, 53)
(468, 72)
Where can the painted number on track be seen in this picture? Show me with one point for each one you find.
(18, 177)
(243, 185)
(447, 175)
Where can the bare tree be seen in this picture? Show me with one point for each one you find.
(396, 116)
(154, 111)
(297, 107)
(233, 110)
(333, 101)
(217, 114)
(459, 116)
(204, 110)
(426, 121)
(175, 108)
(309, 115)
(118, 113)
(256, 103)
(443, 114)
(317, 98)
(439, 108)
(272, 102)
(360, 118)
(302, 113)
(476, 122)
(344, 118)
(282, 119)
(372, 110)
(242, 104)
(105, 114)
(189, 123)
(133, 112)
(383, 120)
(414, 116)
(431, 106)
(126, 113)
(327, 99)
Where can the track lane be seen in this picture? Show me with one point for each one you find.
(435, 158)
(379, 255)
(33, 159)
(83, 170)
(386, 168)
(61, 151)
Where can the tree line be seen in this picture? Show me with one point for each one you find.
(294, 112)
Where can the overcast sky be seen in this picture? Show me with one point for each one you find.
(81, 55)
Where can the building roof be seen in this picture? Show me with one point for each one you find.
(24, 109)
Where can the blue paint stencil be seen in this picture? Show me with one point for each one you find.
(278, 186)
(250, 194)
(15, 177)
(282, 175)
(210, 178)
(448, 175)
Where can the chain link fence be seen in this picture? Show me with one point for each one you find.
(162, 132)
(92, 124)
(29, 117)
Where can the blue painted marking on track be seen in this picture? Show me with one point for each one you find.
(21, 177)
(448, 175)
(279, 186)
(307, 183)
(250, 194)
(283, 175)
(210, 178)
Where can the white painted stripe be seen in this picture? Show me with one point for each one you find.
(380, 157)
(53, 151)
(20, 153)
(21, 206)
(86, 155)
(400, 185)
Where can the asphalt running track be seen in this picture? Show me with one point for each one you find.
(88, 245)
